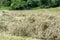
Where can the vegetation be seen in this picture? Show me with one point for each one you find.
(9, 37)
(28, 4)
(35, 24)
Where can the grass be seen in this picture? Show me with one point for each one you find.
(4, 8)
(30, 24)
(9, 37)
(57, 9)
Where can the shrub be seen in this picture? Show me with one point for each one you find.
(28, 4)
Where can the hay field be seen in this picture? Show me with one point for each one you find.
(29, 25)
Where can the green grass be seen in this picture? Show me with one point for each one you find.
(4, 8)
(57, 9)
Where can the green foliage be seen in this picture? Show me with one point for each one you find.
(28, 4)
(6, 2)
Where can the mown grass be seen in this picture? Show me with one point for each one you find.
(9, 37)
(39, 24)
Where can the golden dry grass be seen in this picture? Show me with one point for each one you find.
(39, 24)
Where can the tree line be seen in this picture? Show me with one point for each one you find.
(28, 4)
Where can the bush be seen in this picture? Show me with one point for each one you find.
(6, 2)
(28, 4)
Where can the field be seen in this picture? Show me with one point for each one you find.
(9, 37)
(43, 24)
